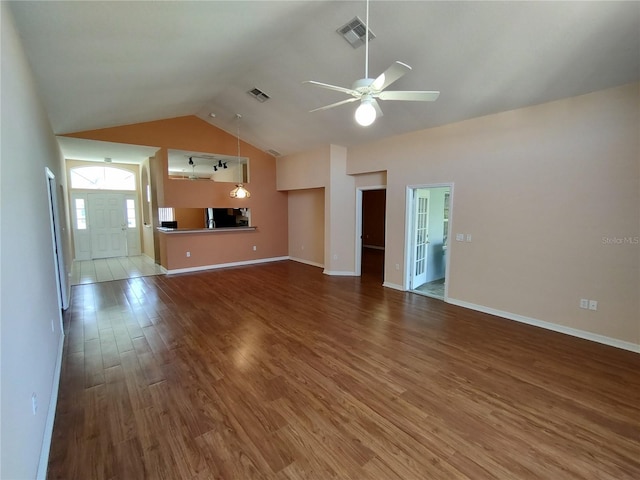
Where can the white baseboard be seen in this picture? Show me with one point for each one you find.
(51, 415)
(225, 265)
(594, 337)
(339, 273)
(395, 286)
(306, 262)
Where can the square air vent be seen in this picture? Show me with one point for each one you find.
(259, 95)
(355, 32)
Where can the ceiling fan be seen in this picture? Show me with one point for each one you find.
(367, 90)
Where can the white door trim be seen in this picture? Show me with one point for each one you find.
(58, 256)
(408, 234)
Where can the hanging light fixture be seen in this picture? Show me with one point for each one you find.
(239, 191)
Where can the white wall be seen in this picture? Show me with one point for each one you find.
(29, 308)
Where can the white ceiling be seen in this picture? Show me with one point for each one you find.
(101, 64)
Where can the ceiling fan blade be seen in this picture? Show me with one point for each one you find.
(409, 96)
(326, 107)
(390, 75)
(348, 91)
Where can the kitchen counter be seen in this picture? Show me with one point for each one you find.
(173, 231)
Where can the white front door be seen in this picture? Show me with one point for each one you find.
(421, 236)
(108, 225)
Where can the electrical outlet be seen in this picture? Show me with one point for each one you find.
(593, 305)
(302, 247)
(335, 257)
(397, 266)
(584, 303)
(468, 237)
(255, 248)
(188, 254)
(34, 403)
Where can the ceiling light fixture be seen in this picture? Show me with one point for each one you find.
(239, 191)
(366, 112)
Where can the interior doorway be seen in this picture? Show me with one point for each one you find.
(371, 235)
(427, 239)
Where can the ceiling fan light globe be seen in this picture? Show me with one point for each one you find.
(365, 114)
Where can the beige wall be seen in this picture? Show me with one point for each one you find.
(340, 216)
(326, 167)
(305, 170)
(371, 180)
(540, 190)
(306, 226)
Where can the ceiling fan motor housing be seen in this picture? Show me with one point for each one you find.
(363, 86)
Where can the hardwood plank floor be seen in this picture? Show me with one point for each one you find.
(277, 371)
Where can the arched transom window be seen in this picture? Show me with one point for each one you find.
(102, 178)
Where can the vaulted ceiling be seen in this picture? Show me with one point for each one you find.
(102, 64)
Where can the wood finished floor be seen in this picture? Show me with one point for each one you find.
(277, 371)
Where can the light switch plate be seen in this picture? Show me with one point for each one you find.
(460, 237)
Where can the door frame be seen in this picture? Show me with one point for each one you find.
(76, 234)
(408, 234)
(58, 255)
(358, 252)
(413, 228)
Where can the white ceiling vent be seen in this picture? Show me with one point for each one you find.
(273, 152)
(259, 95)
(354, 32)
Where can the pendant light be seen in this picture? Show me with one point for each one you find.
(239, 191)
